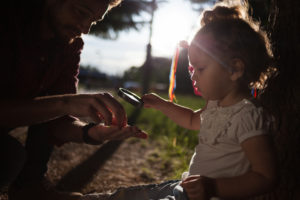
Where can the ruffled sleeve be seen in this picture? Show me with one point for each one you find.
(252, 122)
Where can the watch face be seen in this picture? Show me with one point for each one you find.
(130, 97)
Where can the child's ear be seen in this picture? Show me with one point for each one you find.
(238, 68)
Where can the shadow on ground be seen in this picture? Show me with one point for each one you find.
(72, 182)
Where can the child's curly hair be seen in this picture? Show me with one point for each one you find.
(237, 35)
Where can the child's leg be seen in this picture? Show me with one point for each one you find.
(143, 192)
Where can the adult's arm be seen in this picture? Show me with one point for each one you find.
(262, 176)
(23, 112)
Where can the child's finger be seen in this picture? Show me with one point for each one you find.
(191, 178)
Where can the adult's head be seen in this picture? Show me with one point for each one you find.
(68, 19)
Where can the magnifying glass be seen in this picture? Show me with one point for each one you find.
(130, 97)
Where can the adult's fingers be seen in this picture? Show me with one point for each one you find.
(99, 109)
(115, 107)
(125, 133)
(94, 116)
(112, 132)
(102, 133)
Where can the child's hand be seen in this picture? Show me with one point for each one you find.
(152, 101)
(198, 187)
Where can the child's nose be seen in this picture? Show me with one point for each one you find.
(191, 72)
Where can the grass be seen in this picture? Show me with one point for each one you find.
(176, 144)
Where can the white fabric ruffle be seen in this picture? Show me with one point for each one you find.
(244, 119)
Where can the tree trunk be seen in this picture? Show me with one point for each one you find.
(282, 96)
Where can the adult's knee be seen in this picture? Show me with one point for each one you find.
(13, 157)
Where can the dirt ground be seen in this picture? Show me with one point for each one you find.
(87, 169)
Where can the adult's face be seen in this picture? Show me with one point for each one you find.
(70, 18)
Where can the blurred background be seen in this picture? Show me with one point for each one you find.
(134, 45)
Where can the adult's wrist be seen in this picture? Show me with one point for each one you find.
(86, 137)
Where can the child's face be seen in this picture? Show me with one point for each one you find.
(211, 78)
(71, 18)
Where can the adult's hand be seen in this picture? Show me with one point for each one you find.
(99, 107)
(102, 133)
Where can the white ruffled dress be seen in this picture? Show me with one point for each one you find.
(223, 129)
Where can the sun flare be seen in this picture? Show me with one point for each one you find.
(171, 27)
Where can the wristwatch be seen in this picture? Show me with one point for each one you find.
(85, 136)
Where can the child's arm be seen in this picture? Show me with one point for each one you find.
(260, 179)
(182, 116)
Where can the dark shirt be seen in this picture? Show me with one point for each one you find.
(31, 67)
(38, 68)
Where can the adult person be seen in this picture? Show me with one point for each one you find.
(40, 53)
